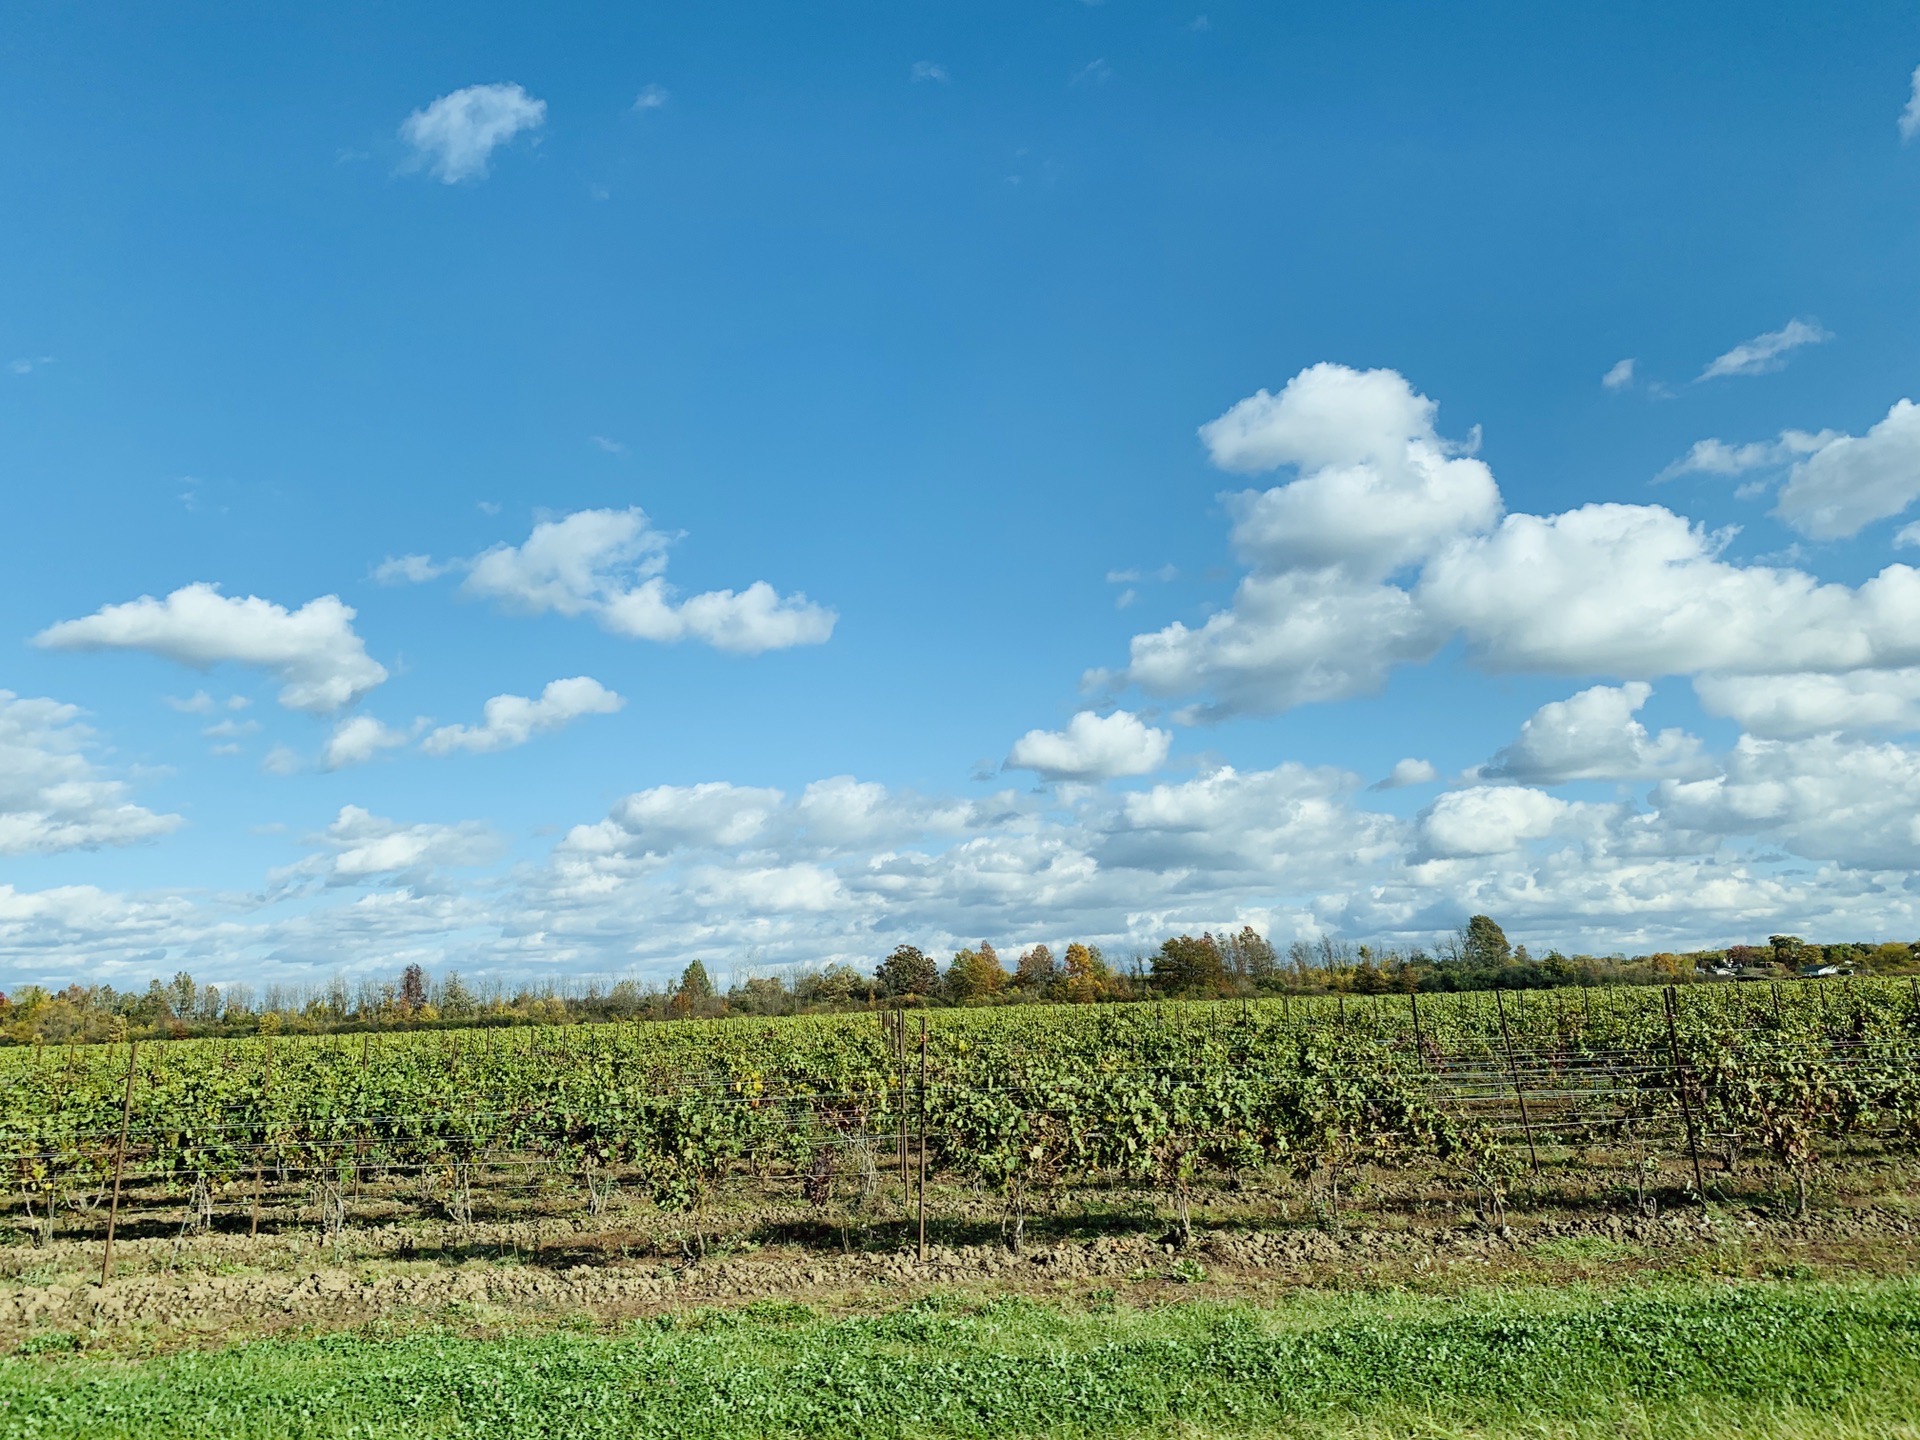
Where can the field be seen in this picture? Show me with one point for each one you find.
(1151, 1219)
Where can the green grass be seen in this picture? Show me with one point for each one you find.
(1668, 1361)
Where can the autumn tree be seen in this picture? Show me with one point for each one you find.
(1036, 972)
(1249, 955)
(1484, 944)
(975, 975)
(1085, 975)
(1186, 966)
(455, 999)
(909, 970)
(413, 988)
(835, 985)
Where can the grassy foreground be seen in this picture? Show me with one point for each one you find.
(1695, 1360)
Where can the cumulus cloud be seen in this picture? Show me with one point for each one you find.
(1092, 747)
(572, 565)
(1827, 797)
(1619, 376)
(1843, 483)
(53, 797)
(1490, 820)
(681, 817)
(454, 138)
(1793, 706)
(1637, 590)
(608, 564)
(1594, 736)
(1910, 117)
(749, 622)
(1286, 640)
(847, 868)
(1378, 488)
(360, 847)
(1765, 353)
(322, 664)
(1409, 771)
(509, 720)
(358, 739)
(1631, 591)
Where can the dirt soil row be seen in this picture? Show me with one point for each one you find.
(215, 1288)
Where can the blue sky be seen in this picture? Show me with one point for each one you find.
(847, 405)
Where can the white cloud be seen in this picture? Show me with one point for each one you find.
(1719, 457)
(1846, 482)
(1908, 536)
(927, 70)
(1593, 736)
(848, 869)
(1793, 706)
(1629, 591)
(1619, 376)
(1910, 117)
(680, 817)
(606, 445)
(573, 565)
(360, 847)
(1092, 747)
(282, 761)
(1765, 353)
(26, 365)
(509, 720)
(358, 739)
(1635, 590)
(408, 570)
(1287, 640)
(1377, 489)
(456, 135)
(755, 620)
(321, 662)
(607, 563)
(201, 703)
(52, 795)
(1490, 820)
(1410, 771)
(1825, 798)
(653, 97)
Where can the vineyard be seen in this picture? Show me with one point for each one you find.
(878, 1126)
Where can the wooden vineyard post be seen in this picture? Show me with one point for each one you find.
(1686, 1108)
(1419, 1038)
(923, 1139)
(260, 1155)
(900, 1076)
(119, 1160)
(1774, 986)
(1519, 1091)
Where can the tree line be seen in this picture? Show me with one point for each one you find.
(1231, 963)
